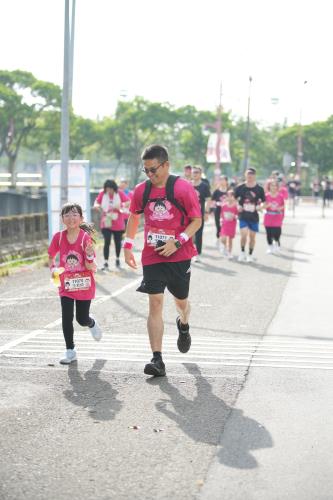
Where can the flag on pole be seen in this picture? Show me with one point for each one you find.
(224, 148)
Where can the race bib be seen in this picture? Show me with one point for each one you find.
(74, 282)
(156, 235)
(229, 216)
(249, 207)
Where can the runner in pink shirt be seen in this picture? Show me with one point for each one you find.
(172, 216)
(123, 186)
(111, 202)
(76, 267)
(273, 218)
(229, 214)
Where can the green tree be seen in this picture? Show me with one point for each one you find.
(23, 99)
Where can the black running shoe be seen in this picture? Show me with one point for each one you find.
(184, 338)
(117, 263)
(156, 367)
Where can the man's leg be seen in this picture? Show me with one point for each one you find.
(184, 308)
(252, 241)
(155, 323)
(155, 329)
(184, 337)
(243, 237)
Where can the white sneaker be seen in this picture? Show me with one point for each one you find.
(218, 244)
(95, 330)
(276, 248)
(70, 355)
(270, 249)
(250, 258)
(230, 256)
(242, 257)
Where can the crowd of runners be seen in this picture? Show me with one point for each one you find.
(174, 211)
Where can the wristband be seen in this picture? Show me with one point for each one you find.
(128, 243)
(183, 238)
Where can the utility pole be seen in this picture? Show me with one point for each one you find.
(71, 64)
(218, 135)
(299, 154)
(247, 136)
(66, 101)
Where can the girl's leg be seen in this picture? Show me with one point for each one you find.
(217, 215)
(107, 240)
(269, 235)
(229, 244)
(277, 235)
(82, 313)
(224, 240)
(67, 309)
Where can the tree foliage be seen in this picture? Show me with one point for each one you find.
(30, 117)
(23, 99)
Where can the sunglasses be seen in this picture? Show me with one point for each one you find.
(152, 170)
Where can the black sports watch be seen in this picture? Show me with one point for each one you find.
(177, 243)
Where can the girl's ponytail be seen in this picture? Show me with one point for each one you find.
(90, 229)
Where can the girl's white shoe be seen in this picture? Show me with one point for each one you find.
(70, 355)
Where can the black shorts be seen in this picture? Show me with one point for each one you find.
(175, 276)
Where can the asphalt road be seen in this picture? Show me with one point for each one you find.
(249, 399)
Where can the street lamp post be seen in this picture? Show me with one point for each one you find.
(66, 100)
(299, 154)
(218, 134)
(247, 134)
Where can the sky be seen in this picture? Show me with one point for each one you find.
(179, 51)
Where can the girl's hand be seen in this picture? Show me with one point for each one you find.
(89, 250)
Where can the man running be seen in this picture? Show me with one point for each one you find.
(249, 195)
(203, 191)
(170, 223)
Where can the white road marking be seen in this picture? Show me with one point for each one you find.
(35, 333)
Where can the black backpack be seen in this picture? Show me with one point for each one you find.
(169, 196)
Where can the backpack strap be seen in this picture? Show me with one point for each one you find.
(145, 196)
(170, 195)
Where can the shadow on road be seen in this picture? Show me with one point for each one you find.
(204, 266)
(92, 393)
(273, 270)
(203, 419)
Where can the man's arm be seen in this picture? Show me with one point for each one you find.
(131, 230)
(170, 248)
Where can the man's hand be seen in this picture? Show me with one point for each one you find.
(167, 249)
(129, 258)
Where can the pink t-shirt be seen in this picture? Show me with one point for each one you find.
(125, 210)
(76, 281)
(228, 220)
(274, 213)
(284, 192)
(112, 217)
(163, 220)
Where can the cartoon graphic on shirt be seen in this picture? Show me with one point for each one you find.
(73, 261)
(160, 209)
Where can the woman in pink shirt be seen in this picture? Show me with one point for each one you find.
(273, 218)
(77, 265)
(229, 213)
(111, 202)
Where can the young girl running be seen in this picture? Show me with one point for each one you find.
(229, 212)
(77, 260)
(273, 218)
